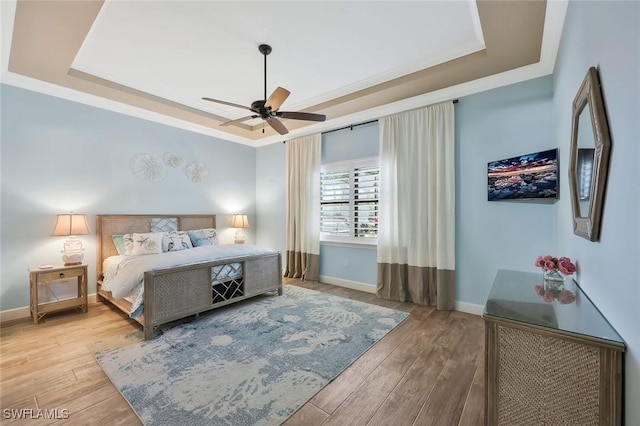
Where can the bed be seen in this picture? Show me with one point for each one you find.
(177, 285)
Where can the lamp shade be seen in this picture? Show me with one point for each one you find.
(239, 221)
(71, 224)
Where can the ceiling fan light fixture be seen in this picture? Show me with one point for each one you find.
(268, 108)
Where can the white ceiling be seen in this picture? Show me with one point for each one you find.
(180, 51)
(188, 50)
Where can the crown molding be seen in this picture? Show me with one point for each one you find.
(554, 20)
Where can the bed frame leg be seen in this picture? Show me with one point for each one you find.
(280, 291)
(148, 332)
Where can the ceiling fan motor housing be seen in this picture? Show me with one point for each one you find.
(258, 107)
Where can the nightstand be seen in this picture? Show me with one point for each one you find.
(44, 276)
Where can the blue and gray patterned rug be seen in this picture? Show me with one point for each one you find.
(254, 363)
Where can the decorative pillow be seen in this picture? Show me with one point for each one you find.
(128, 243)
(176, 241)
(203, 237)
(118, 241)
(147, 243)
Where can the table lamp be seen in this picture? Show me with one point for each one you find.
(71, 225)
(239, 221)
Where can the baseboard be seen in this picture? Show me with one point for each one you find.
(14, 314)
(353, 285)
(25, 311)
(468, 308)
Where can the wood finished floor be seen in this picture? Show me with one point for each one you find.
(427, 371)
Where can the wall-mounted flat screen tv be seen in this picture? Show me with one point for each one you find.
(526, 177)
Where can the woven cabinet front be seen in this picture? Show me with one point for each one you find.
(544, 380)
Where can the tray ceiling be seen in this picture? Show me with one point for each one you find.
(352, 61)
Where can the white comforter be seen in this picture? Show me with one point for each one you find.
(122, 274)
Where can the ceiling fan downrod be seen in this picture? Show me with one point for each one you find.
(265, 49)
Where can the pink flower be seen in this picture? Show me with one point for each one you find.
(565, 297)
(565, 266)
(547, 297)
(550, 263)
(539, 289)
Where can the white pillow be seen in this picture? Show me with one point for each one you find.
(147, 243)
(128, 243)
(176, 241)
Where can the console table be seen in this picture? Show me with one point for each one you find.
(548, 362)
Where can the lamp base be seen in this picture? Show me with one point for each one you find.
(239, 237)
(72, 256)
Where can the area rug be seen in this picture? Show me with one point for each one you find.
(254, 363)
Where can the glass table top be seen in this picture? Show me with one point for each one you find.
(521, 296)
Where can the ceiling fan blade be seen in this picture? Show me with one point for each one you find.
(239, 120)
(277, 125)
(296, 115)
(227, 103)
(277, 98)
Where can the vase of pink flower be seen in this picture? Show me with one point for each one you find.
(552, 276)
(554, 269)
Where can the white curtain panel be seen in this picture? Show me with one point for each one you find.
(416, 227)
(303, 207)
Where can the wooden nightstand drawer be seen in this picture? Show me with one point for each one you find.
(60, 275)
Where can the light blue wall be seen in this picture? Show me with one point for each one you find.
(340, 145)
(357, 264)
(58, 156)
(348, 144)
(607, 35)
(351, 263)
(271, 197)
(500, 123)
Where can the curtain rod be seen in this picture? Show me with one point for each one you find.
(455, 101)
(351, 126)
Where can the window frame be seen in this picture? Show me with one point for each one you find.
(350, 166)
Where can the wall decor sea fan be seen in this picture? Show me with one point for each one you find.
(149, 167)
(196, 172)
(173, 159)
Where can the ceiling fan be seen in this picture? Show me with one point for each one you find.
(268, 108)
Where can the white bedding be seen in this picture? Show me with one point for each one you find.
(124, 275)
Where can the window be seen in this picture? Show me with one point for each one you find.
(349, 201)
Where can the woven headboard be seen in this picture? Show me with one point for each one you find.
(108, 225)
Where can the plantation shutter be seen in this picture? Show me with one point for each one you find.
(335, 193)
(349, 198)
(365, 198)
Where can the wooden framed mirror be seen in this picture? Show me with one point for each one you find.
(589, 162)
